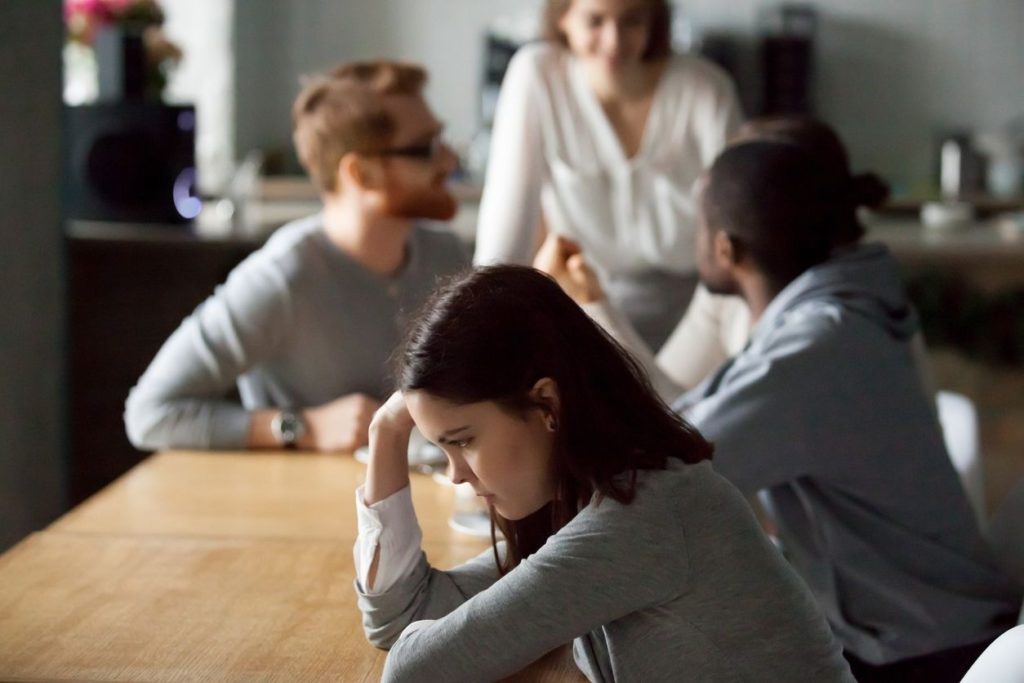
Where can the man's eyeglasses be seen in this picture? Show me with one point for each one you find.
(424, 151)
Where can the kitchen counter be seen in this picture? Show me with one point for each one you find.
(988, 254)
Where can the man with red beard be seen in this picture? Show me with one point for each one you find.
(305, 325)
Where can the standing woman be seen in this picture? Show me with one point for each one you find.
(618, 533)
(600, 134)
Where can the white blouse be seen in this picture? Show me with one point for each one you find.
(714, 329)
(553, 146)
(390, 525)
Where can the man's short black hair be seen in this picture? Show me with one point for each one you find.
(777, 203)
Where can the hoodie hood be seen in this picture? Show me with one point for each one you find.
(862, 280)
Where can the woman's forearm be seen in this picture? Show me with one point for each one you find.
(387, 472)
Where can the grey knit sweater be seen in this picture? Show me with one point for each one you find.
(681, 584)
(297, 324)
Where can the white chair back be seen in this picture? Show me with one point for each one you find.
(1001, 662)
(959, 421)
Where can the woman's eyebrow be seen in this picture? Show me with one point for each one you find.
(448, 434)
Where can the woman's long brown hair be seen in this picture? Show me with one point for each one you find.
(490, 334)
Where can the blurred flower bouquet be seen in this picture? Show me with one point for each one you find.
(88, 20)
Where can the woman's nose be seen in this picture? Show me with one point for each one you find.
(458, 470)
(610, 36)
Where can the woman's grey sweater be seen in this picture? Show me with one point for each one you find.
(681, 584)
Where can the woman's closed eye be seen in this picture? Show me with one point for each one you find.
(457, 442)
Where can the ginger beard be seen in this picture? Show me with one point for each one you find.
(432, 201)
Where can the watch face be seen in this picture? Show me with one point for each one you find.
(288, 428)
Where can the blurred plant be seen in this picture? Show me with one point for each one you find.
(84, 18)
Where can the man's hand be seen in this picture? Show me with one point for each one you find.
(341, 425)
(563, 260)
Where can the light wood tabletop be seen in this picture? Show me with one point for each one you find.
(266, 495)
(220, 567)
(85, 607)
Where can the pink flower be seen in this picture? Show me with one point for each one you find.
(84, 17)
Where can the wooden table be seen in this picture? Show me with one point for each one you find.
(293, 496)
(195, 566)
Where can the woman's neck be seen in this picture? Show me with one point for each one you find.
(627, 102)
(637, 82)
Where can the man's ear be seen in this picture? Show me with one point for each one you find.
(360, 171)
(545, 394)
(726, 250)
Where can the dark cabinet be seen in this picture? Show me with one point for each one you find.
(128, 289)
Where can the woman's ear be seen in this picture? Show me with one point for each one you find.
(545, 394)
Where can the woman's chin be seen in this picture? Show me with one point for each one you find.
(515, 513)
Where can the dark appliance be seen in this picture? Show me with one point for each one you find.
(131, 160)
(787, 59)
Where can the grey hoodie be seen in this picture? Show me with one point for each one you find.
(824, 412)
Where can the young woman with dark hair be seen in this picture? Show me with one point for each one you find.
(617, 532)
(600, 134)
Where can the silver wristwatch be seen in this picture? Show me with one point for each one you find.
(288, 427)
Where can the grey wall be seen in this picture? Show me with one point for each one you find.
(31, 268)
(277, 42)
(891, 75)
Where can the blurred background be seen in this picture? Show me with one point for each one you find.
(146, 149)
